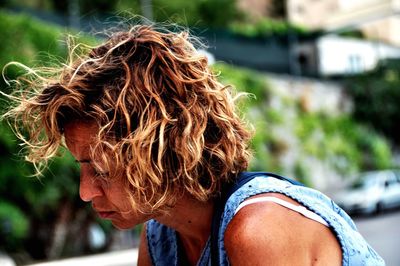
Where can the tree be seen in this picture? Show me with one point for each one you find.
(377, 96)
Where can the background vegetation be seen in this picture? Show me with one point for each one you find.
(377, 98)
(204, 14)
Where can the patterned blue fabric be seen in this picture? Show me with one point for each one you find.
(163, 244)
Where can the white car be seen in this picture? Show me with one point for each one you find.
(372, 192)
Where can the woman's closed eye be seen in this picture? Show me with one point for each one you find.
(101, 174)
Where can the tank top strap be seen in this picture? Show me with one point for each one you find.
(297, 208)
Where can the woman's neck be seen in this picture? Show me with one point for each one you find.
(191, 219)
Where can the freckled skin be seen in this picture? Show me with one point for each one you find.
(109, 199)
(269, 234)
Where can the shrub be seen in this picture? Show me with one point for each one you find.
(14, 225)
(376, 96)
(266, 27)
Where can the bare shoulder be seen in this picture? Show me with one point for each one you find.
(144, 255)
(267, 231)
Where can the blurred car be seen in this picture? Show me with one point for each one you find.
(372, 192)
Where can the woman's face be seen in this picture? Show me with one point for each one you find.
(109, 197)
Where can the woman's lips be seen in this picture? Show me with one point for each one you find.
(105, 214)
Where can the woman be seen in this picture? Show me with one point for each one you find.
(159, 142)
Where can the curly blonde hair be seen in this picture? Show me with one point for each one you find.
(166, 121)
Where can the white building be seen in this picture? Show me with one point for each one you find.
(333, 55)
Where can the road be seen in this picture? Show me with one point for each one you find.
(115, 258)
(383, 233)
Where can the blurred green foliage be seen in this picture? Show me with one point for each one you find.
(377, 96)
(342, 138)
(356, 34)
(208, 13)
(222, 14)
(266, 27)
(25, 39)
(63, 6)
(244, 79)
(14, 224)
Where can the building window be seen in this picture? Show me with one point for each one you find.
(355, 64)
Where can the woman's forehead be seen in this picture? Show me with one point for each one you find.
(80, 139)
(80, 132)
(81, 126)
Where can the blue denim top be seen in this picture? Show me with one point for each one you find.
(164, 247)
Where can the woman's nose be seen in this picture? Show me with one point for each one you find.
(89, 188)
